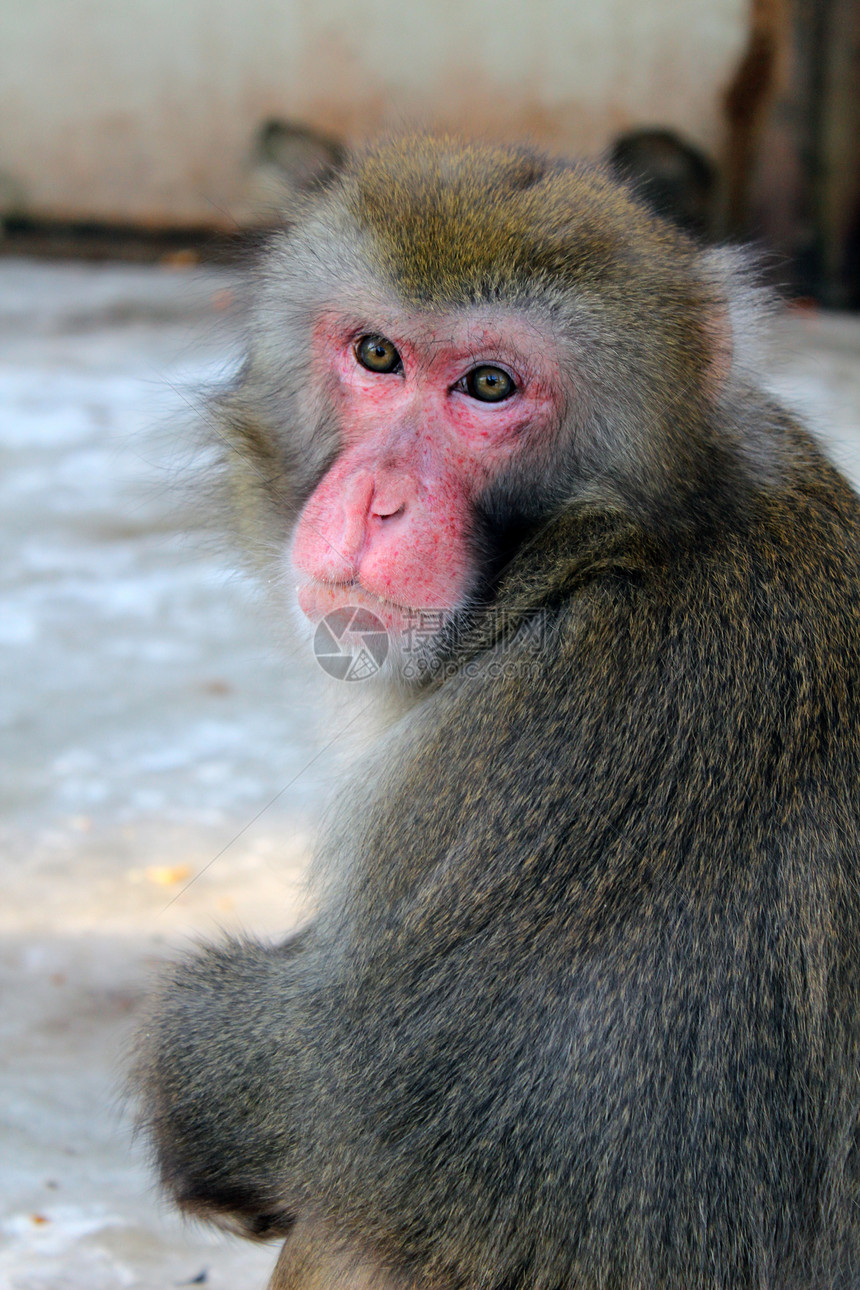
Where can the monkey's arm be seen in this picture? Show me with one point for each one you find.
(220, 1029)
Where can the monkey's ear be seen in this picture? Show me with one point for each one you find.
(737, 328)
(721, 346)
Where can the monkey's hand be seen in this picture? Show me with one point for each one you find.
(212, 1065)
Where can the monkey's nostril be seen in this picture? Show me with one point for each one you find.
(386, 513)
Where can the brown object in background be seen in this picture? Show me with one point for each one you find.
(793, 159)
(672, 176)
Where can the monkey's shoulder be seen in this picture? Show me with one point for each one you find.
(723, 676)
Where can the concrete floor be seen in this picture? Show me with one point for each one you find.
(158, 733)
(148, 714)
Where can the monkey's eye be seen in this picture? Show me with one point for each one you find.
(377, 354)
(489, 384)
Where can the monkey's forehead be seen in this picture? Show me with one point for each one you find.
(451, 222)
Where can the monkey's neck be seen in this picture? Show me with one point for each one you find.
(552, 561)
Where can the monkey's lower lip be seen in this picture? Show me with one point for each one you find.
(316, 599)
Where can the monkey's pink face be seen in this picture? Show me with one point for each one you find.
(430, 415)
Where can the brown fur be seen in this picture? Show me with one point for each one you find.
(581, 1005)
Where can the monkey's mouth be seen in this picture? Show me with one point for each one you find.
(319, 599)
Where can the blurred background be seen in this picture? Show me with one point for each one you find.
(170, 117)
(166, 758)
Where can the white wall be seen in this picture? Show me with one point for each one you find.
(146, 109)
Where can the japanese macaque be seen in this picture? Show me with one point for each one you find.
(580, 1005)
